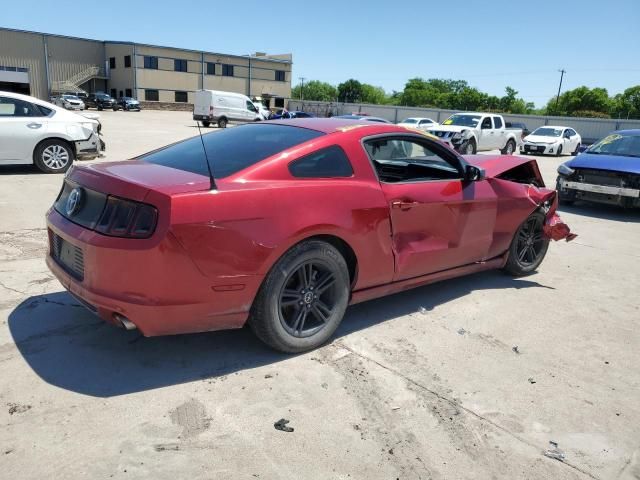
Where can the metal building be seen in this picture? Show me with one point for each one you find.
(43, 65)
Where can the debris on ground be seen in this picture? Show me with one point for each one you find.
(17, 408)
(554, 452)
(395, 408)
(531, 380)
(422, 310)
(462, 331)
(268, 375)
(515, 349)
(282, 425)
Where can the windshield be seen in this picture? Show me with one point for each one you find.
(230, 150)
(103, 96)
(409, 120)
(70, 97)
(463, 120)
(547, 132)
(624, 144)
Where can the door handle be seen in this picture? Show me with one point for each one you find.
(403, 205)
(34, 125)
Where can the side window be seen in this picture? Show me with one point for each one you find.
(486, 123)
(12, 107)
(329, 162)
(572, 132)
(251, 107)
(497, 121)
(406, 160)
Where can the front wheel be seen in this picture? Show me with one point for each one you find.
(528, 247)
(559, 151)
(303, 298)
(509, 148)
(222, 123)
(468, 147)
(53, 156)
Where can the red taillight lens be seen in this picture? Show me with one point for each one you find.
(126, 218)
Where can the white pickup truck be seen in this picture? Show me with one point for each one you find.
(469, 133)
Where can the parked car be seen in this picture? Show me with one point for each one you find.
(70, 102)
(129, 103)
(550, 140)
(607, 172)
(283, 113)
(212, 106)
(35, 131)
(144, 243)
(418, 122)
(475, 132)
(366, 118)
(264, 112)
(101, 101)
(519, 126)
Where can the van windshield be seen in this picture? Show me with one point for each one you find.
(230, 150)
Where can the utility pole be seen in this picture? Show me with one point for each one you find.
(562, 72)
(302, 79)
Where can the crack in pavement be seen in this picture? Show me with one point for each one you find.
(12, 289)
(455, 404)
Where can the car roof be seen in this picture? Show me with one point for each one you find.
(333, 124)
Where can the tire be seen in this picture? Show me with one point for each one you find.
(528, 247)
(509, 148)
(100, 108)
(222, 122)
(53, 156)
(577, 150)
(287, 314)
(559, 151)
(206, 123)
(468, 147)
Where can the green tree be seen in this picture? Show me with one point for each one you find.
(581, 99)
(627, 104)
(350, 91)
(315, 90)
(371, 94)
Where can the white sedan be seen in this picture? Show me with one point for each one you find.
(35, 131)
(70, 102)
(418, 122)
(550, 140)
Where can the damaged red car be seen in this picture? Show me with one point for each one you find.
(284, 224)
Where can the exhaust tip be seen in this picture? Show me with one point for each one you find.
(124, 322)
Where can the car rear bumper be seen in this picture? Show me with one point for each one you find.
(155, 286)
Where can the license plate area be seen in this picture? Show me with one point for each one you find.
(68, 256)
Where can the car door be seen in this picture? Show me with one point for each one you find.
(486, 140)
(439, 220)
(251, 111)
(22, 126)
(499, 136)
(566, 141)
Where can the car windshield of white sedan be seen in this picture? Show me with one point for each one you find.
(463, 120)
(409, 120)
(230, 150)
(547, 132)
(617, 144)
(70, 97)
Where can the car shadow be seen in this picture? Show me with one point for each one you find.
(70, 348)
(603, 212)
(19, 170)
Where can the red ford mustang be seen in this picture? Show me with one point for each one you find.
(284, 224)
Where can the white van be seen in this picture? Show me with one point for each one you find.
(223, 107)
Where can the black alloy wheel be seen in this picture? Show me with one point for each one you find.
(528, 247)
(308, 299)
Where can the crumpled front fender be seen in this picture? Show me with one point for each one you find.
(554, 227)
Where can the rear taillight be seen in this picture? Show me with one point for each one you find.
(126, 218)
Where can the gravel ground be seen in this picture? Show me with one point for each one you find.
(426, 384)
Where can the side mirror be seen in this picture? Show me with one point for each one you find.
(473, 173)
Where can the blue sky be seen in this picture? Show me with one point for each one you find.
(491, 43)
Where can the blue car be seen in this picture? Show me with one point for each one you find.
(607, 172)
(286, 114)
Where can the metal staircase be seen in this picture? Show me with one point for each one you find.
(72, 84)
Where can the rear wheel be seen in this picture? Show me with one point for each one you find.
(528, 247)
(222, 122)
(509, 148)
(206, 123)
(303, 298)
(53, 156)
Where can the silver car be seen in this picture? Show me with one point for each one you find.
(70, 102)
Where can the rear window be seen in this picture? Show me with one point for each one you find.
(230, 150)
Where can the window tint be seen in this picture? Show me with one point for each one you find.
(497, 121)
(326, 163)
(227, 70)
(44, 111)
(251, 107)
(151, 62)
(211, 68)
(572, 132)
(182, 97)
(127, 61)
(112, 62)
(280, 76)
(486, 123)
(232, 149)
(401, 160)
(12, 107)
(152, 95)
(180, 65)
